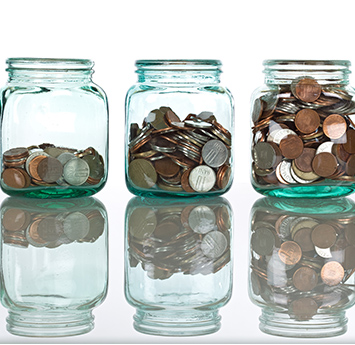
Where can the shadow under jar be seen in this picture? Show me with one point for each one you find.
(179, 125)
(303, 134)
(302, 264)
(54, 129)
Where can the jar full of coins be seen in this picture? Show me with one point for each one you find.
(303, 131)
(54, 129)
(54, 265)
(178, 265)
(179, 125)
(302, 264)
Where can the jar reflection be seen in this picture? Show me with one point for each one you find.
(178, 268)
(54, 265)
(302, 265)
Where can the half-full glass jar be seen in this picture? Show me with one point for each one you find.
(54, 129)
(178, 266)
(54, 265)
(179, 125)
(302, 264)
(303, 134)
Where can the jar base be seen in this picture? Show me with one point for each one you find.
(308, 191)
(320, 326)
(50, 324)
(177, 323)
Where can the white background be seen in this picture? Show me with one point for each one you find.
(116, 33)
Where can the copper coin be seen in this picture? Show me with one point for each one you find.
(50, 169)
(166, 167)
(185, 181)
(291, 147)
(16, 178)
(303, 309)
(15, 219)
(349, 145)
(290, 253)
(303, 238)
(324, 164)
(308, 90)
(305, 279)
(223, 176)
(334, 126)
(350, 165)
(323, 236)
(339, 152)
(33, 233)
(304, 161)
(171, 117)
(33, 166)
(307, 121)
(332, 273)
(16, 153)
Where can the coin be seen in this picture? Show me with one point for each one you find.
(223, 176)
(290, 252)
(305, 279)
(307, 90)
(324, 164)
(266, 155)
(142, 223)
(339, 152)
(32, 235)
(65, 157)
(332, 273)
(349, 145)
(334, 126)
(49, 229)
(15, 219)
(283, 172)
(304, 161)
(277, 135)
(156, 119)
(263, 241)
(76, 226)
(76, 172)
(350, 165)
(303, 309)
(325, 147)
(303, 238)
(202, 178)
(349, 232)
(257, 110)
(166, 167)
(214, 153)
(291, 146)
(349, 258)
(96, 167)
(49, 169)
(16, 178)
(185, 181)
(324, 236)
(142, 173)
(202, 219)
(214, 244)
(307, 121)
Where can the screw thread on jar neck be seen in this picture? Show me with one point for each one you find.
(179, 71)
(37, 70)
(325, 72)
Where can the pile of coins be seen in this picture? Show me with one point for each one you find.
(22, 228)
(192, 155)
(191, 240)
(50, 166)
(302, 134)
(302, 264)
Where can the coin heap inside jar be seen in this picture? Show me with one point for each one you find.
(50, 166)
(22, 228)
(301, 263)
(190, 156)
(302, 134)
(191, 240)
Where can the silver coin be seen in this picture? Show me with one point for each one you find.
(323, 252)
(33, 155)
(76, 226)
(33, 242)
(285, 171)
(198, 123)
(65, 157)
(300, 180)
(202, 219)
(214, 153)
(76, 172)
(285, 227)
(279, 134)
(325, 147)
(202, 178)
(214, 244)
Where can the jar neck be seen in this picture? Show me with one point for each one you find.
(278, 72)
(178, 71)
(49, 71)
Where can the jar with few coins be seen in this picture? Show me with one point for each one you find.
(178, 264)
(302, 265)
(54, 129)
(54, 265)
(303, 131)
(179, 125)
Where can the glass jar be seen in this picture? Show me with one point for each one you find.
(178, 266)
(54, 265)
(179, 125)
(303, 134)
(54, 129)
(302, 264)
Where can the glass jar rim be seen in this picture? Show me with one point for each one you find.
(176, 64)
(48, 64)
(329, 64)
